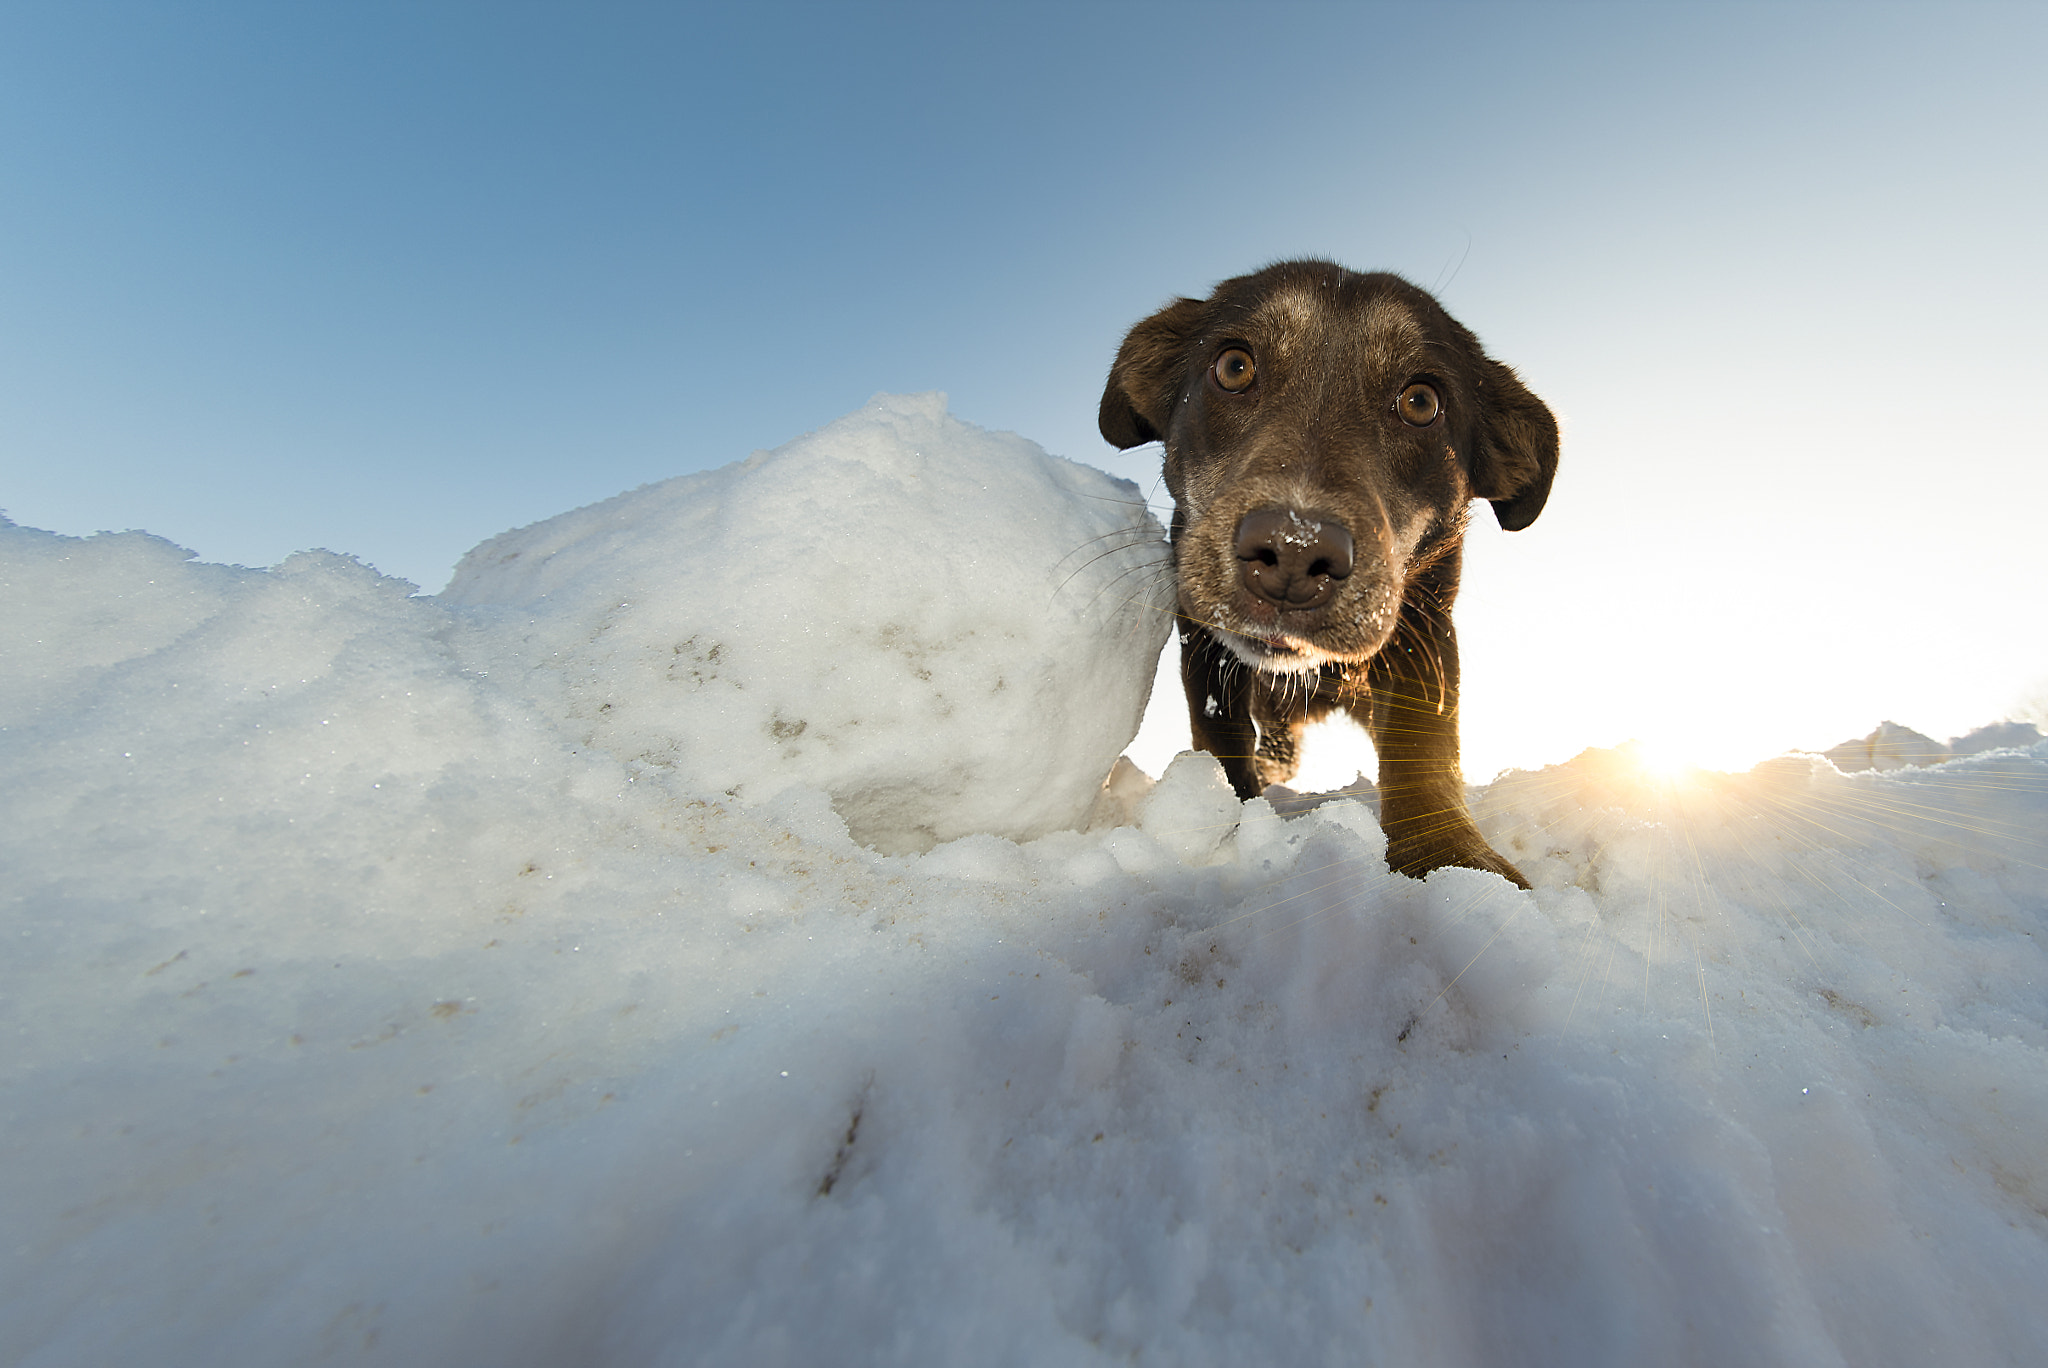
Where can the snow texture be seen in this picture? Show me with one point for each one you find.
(945, 629)
(375, 997)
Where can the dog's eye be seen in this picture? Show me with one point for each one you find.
(1419, 405)
(1233, 371)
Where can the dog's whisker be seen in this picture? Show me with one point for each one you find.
(1443, 283)
(1147, 595)
(1131, 535)
(1097, 558)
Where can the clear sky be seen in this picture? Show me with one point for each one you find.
(388, 279)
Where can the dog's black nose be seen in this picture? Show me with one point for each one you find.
(1292, 560)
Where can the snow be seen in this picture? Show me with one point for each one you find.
(377, 996)
(943, 628)
(1892, 746)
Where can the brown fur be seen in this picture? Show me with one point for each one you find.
(1312, 477)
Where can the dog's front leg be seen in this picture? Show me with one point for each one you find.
(1413, 718)
(1220, 708)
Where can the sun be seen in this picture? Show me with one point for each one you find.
(1663, 759)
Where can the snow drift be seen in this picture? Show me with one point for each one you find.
(945, 629)
(374, 998)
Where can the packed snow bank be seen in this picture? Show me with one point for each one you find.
(1892, 746)
(945, 629)
(360, 1012)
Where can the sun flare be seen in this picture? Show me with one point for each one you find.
(1665, 759)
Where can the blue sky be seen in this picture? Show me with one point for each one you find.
(388, 279)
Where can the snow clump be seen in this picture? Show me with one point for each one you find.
(944, 628)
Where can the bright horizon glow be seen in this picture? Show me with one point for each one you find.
(1671, 762)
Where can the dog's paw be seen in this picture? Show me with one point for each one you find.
(1416, 857)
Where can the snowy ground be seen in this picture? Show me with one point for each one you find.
(379, 996)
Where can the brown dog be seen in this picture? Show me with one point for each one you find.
(1325, 432)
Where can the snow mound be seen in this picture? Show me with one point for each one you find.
(1892, 746)
(946, 629)
(358, 1011)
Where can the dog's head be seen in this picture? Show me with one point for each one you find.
(1325, 432)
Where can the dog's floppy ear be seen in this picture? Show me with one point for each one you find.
(1146, 377)
(1515, 450)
